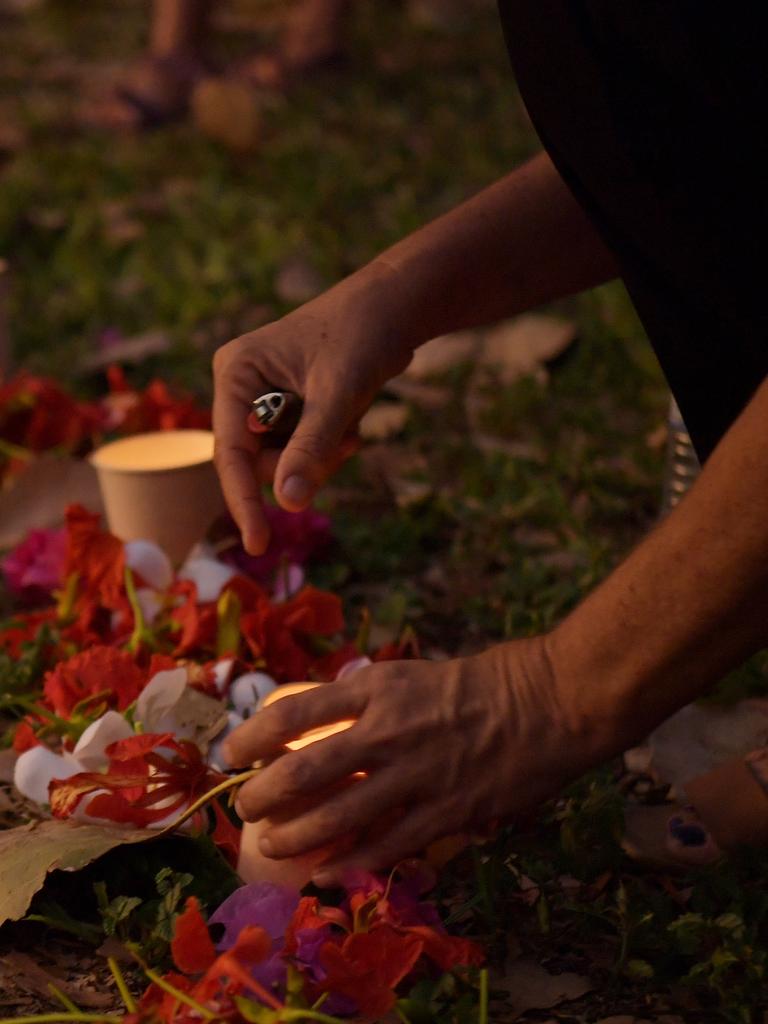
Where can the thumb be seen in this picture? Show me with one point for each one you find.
(312, 453)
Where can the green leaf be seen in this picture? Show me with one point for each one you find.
(639, 969)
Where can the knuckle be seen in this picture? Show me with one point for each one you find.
(312, 444)
(223, 356)
(331, 821)
(298, 774)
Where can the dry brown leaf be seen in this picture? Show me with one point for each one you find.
(29, 852)
(443, 353)
(30, 976)
(229, 112)
(38, 496)
(520, 347)
(699, 737)
(531, 987)
(383, 420)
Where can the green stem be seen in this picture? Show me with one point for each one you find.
(288, 1014)
(182, 997)
(122, 988)
(236, 780)
(63, 998)
(141, 634)
(15, 451)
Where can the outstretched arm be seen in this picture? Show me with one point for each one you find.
(519, 243)
(453, 744)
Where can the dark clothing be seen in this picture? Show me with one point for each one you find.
(655, 113)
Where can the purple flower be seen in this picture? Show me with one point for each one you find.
(403, 895)
(36, 566)
(264, 904)
(296, 538)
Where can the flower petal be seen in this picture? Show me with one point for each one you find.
(209, 576)
(35, 770)
(249, 689)
(288, 582)
(158, 697)
(150, 562)
(91, 747)
(216, 757)
(222, 671)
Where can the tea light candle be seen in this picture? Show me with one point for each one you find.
(295, 872)
(160, 486)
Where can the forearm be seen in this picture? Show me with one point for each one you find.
(521, 242)
(688, 605)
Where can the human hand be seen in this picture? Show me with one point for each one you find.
(335, 352)
(445, 747)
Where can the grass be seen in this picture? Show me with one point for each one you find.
(167, 230)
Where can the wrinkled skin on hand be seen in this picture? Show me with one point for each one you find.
(446, 747)
(335, 352)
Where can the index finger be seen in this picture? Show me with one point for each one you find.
(273, 727)
(236, 451)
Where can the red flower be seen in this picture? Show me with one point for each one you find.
(198, 623)
(23, 630)
(96, 556)
(143, 786)
(367, 966)
(134, 412)
(226, 836)
(101, 670)
(447, 951)
(225, 977)
(191, 947)
(36, 413)
(281, 634)
(24, 737)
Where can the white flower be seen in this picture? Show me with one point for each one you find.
(249, 690)
(156, 702)
(222, 671)
(90, 750)
(289, 581)
(209, 576)
(150, 562)
(215, 754)
(37, 768)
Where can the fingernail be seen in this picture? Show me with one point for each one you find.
(297, 490)
(239, 810)
(323, 879)
(226, 753)
(266, 846)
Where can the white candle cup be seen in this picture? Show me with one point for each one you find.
(160, 486)
(295, 872)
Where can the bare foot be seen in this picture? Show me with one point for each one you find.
(154, 91)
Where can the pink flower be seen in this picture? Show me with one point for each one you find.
(296, 538)
(36, 566)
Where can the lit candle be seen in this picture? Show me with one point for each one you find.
(295, 872)
(160, 486)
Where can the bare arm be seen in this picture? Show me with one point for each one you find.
(453, 744)
(687, 606)
(519, 243)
